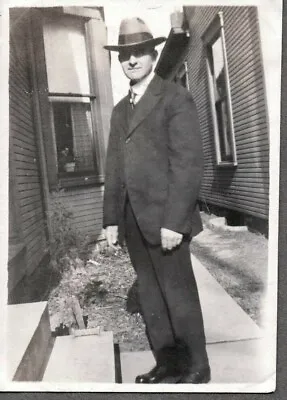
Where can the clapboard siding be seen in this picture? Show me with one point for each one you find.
(24, 147)
(244, 188)
(86, 205)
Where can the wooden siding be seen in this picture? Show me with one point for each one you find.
(245, 188)
(24, 151)
(86, 205)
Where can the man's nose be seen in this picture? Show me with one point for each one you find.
(132, 60)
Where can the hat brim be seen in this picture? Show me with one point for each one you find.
(154, 42)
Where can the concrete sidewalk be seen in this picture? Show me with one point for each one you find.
(234, 342)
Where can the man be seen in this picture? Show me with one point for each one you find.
(153, 173)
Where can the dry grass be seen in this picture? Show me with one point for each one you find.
(238, 261)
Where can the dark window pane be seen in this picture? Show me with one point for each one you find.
(74, 136)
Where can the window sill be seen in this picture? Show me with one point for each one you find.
(75, 179)
(226, 164)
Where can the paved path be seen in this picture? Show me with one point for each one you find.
(234, 342)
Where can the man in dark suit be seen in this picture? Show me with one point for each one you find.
(153, 172)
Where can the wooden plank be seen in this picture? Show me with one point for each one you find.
(31, 206)
(245, 149)
(27, 172)
(35, 214)
(248, 91)
(256, 108)
(245, 208)
(263, 170)
(18, 149)
(24, 142)
(37, 244)
(244, 183)
(260, 194)
(250, 55)
(31, 227)
(251, 121)
(255, 147)
(245, 202)
(23, 180)
(22, 120)
(238, 105)
(28, 186)
(19, 85)
(28, 193)
(82, 195)
(29, 200)
(87, 205)
(261, 156)
(245, 80)
(87, 218)
(17, 131)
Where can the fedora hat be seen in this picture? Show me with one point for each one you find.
(134, 32)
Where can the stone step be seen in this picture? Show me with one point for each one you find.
(233, 362)
(82, 359)
(28, 340)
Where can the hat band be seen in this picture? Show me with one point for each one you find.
(134, 38)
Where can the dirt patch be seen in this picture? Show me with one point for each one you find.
(101, 286)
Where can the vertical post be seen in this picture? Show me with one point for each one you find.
(41, 92)
(100, 82)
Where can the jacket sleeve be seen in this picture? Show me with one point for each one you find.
(112, 182)
(185, 163)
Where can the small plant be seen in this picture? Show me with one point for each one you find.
(66, 160)
(66, 242)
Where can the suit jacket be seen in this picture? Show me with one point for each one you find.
(156, 157)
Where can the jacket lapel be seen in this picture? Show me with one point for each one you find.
(147, 103)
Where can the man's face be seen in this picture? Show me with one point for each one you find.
(137, 63)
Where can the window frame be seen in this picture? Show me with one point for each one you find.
(92, 20)
(181, 73)
(214, 32)
(76, 178)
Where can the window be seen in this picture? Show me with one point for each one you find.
(73, 132)
(182, 75)
(219, 93)
(72, 103)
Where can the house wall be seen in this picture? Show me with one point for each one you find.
(25, 179)
(86, 205)
(244, 188)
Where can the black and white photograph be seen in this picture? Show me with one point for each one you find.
(142, 195)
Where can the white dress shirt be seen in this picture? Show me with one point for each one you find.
(140, 87)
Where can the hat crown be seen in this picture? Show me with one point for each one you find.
(134, 32)
(133, 25)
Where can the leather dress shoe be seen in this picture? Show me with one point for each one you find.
(160, 374)
(203, 375)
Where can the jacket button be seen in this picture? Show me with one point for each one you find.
(128, 140)
(123, 185)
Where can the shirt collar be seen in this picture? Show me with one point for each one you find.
(139, 88)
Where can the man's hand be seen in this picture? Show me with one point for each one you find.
(170, 239)
(111, 233)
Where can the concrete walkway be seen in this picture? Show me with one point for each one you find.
(234, 341)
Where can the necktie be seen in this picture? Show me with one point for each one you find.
(132, 98)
